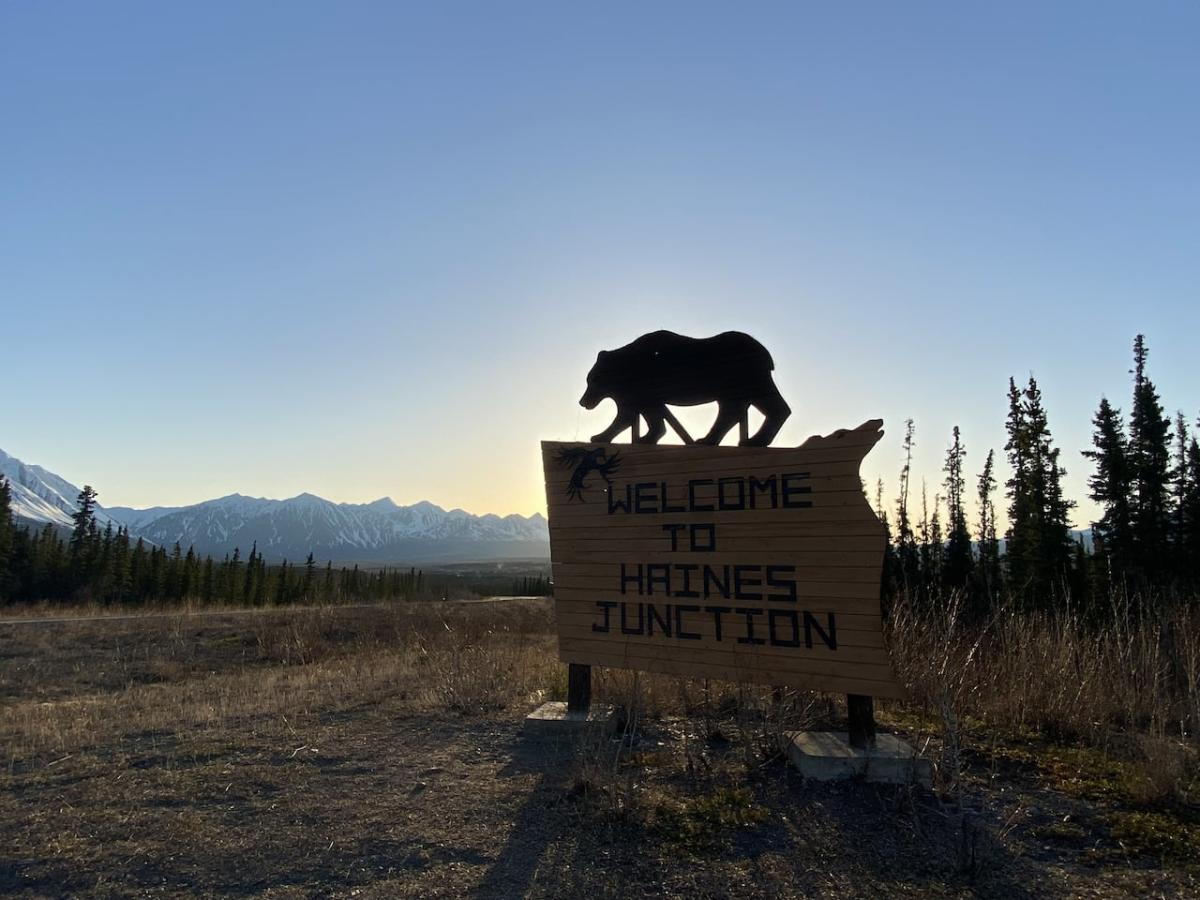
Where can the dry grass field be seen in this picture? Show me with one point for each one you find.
(377, 753)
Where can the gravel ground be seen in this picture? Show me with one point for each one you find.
(375, 793)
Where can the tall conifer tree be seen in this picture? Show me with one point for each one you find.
(958, 561)
(310, 575)
(1177, 514)
(989, 542)
(1020, 516)
(7, 538)
(1039, 544)
(1149, 455)
(1191, 515)
(906, 544)
(82, 534)
(1111, 486)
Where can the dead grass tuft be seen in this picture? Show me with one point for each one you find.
(179, 674)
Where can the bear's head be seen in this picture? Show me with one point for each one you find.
(599, 381)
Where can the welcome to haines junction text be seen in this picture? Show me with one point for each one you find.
(744, 563)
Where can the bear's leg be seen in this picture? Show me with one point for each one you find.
(625, 418)
(656, 427)
(728, 415)
(775, 412)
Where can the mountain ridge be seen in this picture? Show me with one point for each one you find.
(39, 495)
(293, 527)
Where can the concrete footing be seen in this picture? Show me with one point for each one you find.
(553, 721)
(827, 756)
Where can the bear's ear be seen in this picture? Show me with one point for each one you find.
(602, 354)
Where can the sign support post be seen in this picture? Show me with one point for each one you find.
(579, 687)
(861, 709)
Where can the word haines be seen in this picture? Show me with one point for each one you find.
(730, 582)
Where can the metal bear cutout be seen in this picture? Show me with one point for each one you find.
(731, 369)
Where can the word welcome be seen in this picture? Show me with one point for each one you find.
(733, 493)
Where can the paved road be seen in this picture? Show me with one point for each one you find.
(257, 610)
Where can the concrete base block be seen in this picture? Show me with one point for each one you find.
(553, 721)
(827, 756)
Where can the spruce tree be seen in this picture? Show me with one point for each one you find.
(989, 543)
(260, 583)
(281, 591)
(1177, 514)
(7, 539)
(1021, 521)
(936, 557)
(190, 577)
(138, 567)
(1111, 486)
(233, 577)
(207, 586)
(1039, 544)
(83, 536)
(888, 584)
(929, 549)
(1055, 545)
(156, 587)
(250, 585)
(1149, 454)
(1191, 516)
(906, 544)
(956, 571)
(103, 576)
(122, 580)
(174, 571)
(310, 575)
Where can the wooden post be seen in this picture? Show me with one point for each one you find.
(861, 709)
(579, 687)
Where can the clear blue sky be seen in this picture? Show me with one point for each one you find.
(372, 248)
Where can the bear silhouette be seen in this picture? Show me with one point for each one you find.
(731, 369)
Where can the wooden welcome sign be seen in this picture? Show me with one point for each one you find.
(744, 563)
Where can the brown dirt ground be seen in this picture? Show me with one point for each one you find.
(374, 788)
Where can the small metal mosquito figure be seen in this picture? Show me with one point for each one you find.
(586, 462)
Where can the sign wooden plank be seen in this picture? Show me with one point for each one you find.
(748, 563)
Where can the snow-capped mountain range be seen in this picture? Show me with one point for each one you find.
(39, 495)
(381, 531)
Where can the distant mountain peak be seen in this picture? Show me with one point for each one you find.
(380, 531)
(41, 496)
(307, 499)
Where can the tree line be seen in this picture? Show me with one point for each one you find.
(1146, 479)
(105, 565)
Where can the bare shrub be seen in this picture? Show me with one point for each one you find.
(1123, 681)
(1166, 771)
